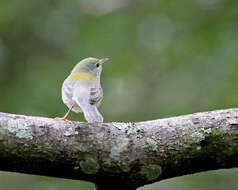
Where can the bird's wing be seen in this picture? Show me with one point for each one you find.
(67, 93)
(92, 94)
(86, 98)
(96, 95)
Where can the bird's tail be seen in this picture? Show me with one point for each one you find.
(91, 113)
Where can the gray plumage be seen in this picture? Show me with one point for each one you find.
(81, 90)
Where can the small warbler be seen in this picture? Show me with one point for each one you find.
(82, 91)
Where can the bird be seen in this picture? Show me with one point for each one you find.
(81, 90)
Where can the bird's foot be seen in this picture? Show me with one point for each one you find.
(64, 119)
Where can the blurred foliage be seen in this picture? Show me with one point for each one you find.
(167, 58)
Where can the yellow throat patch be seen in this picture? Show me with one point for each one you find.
(81, 76)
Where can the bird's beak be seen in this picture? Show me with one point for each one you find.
(103, 60)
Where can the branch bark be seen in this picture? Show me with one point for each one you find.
(127, 155)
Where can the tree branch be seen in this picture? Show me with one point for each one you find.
(127, 155)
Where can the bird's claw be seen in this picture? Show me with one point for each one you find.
(64, 119)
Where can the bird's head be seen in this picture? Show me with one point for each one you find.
(90, 65)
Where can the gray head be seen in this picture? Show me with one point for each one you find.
(90, 65)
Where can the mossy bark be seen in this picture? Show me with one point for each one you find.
(128, 155)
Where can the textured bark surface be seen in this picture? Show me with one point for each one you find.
(127, 155)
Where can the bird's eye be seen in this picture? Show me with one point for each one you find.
(97, 65)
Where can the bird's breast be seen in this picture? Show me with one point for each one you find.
(81, 76)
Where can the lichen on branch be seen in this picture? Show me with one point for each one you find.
(129, 154)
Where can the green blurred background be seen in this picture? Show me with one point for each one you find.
(168, 58)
